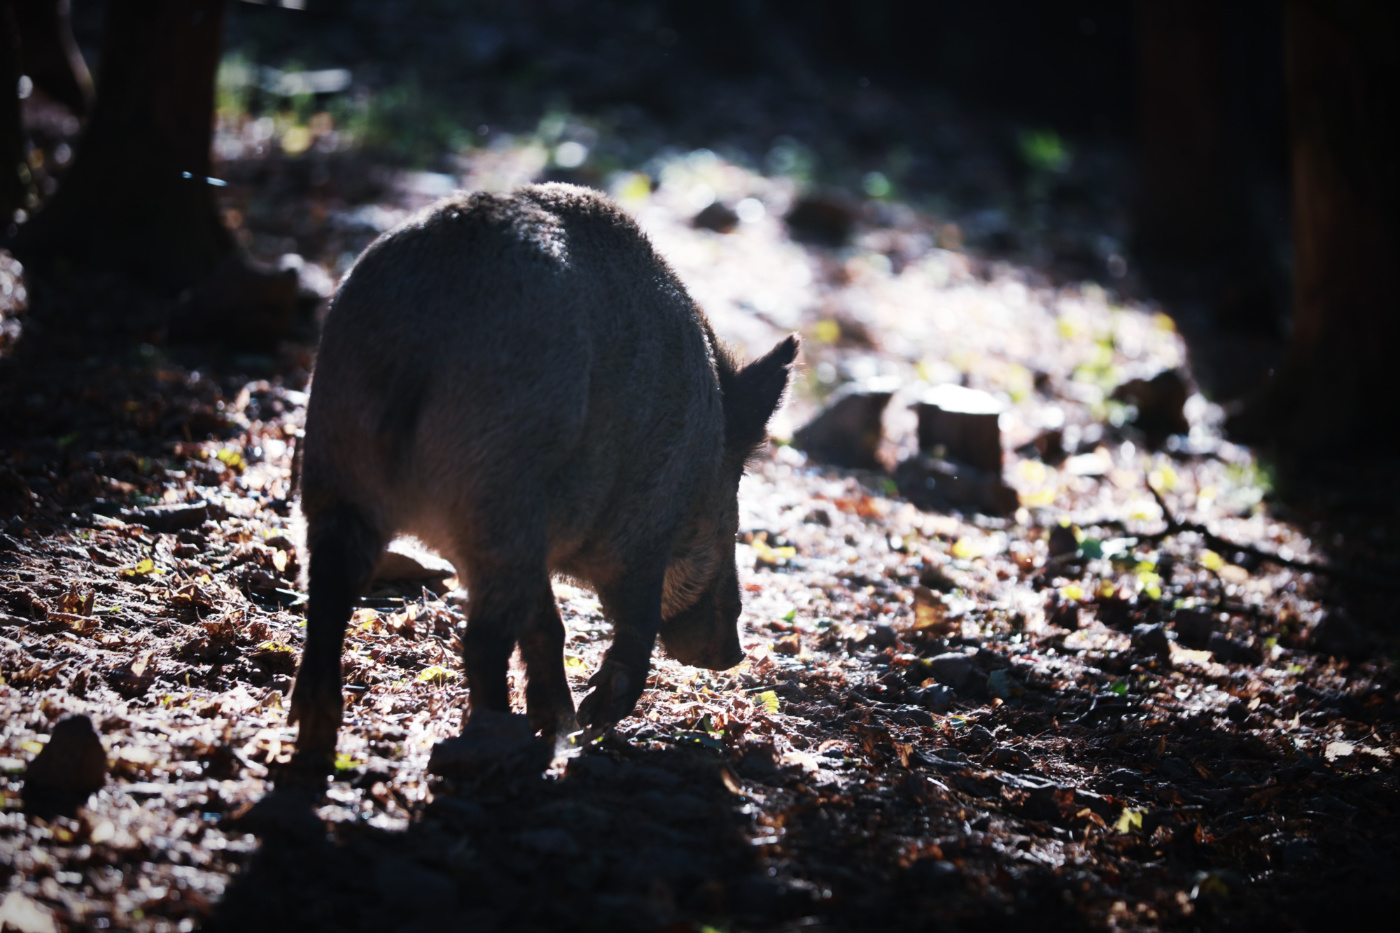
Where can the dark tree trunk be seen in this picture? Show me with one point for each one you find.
(1185, 206)
(1210, 131)
(14, 175)
(51, 57)
(135, 198)
(1338, 382)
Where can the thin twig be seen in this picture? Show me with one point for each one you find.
(1225, 547)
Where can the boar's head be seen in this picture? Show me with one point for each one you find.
(701, 604)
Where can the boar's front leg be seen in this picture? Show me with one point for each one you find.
(344, 548)
(634, 606)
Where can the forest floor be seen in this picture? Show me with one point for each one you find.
(1152, 696)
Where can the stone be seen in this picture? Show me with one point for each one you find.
(823, 219)
(959, 671)
(1160, 403)
(936, 698)
(69, 769)
(1193, 628)
(1152, 640)
(719, 217)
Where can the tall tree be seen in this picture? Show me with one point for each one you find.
(1337, 384)
(137, 198)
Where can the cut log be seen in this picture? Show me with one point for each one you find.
(964, 423)
(847, 432)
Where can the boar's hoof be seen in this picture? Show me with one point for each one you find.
(552, 722)
(318, 714)
(616, 690)
(491, 743)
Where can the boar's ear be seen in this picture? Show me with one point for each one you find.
(751, 395)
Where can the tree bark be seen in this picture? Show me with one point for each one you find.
(14, 175)
(1337, 384)
(136, 198)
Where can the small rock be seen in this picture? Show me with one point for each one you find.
(1063, 541)
(1160, 403)
(1009, 759)
(1066, 616)
(1193, 628)
(70, 768)
(818, 517)
(171, 518)
(1003, 686)
(936, 698)
(822, 219)
(788, 645)
(883, 636)
(979, 739)
(1228, 650)
(1152, 639)
(1237, 712)
(959, 671)
(936, 578)
(718, 217)
(847, 432)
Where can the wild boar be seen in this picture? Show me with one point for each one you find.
(522, 383)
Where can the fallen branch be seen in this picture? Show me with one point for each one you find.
(1225, 547)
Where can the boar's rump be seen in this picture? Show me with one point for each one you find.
(522, 383)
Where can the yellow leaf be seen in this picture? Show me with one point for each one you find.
(573, 664)
(1032, 471)
(1163, 479)
(1212, 561)
(769, 699)
(437, 674)
(145, 568)
(827, 331)
(1130, 821)
(964, 549)
(231, 459)
(1072, 591)
(1039, 499)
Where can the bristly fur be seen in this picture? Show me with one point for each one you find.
(521, 382)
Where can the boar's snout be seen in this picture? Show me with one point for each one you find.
(707, 634)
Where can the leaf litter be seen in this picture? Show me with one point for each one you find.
(1132, 704)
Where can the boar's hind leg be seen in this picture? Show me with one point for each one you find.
(634, 606)
(547, 696)
(344, 548)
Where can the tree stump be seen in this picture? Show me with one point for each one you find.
(964, 423)
(847, 432)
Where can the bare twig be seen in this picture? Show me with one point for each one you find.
(1220, 545)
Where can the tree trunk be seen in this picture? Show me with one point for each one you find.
(14, 175)
(136, 198)
(1337, 384)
